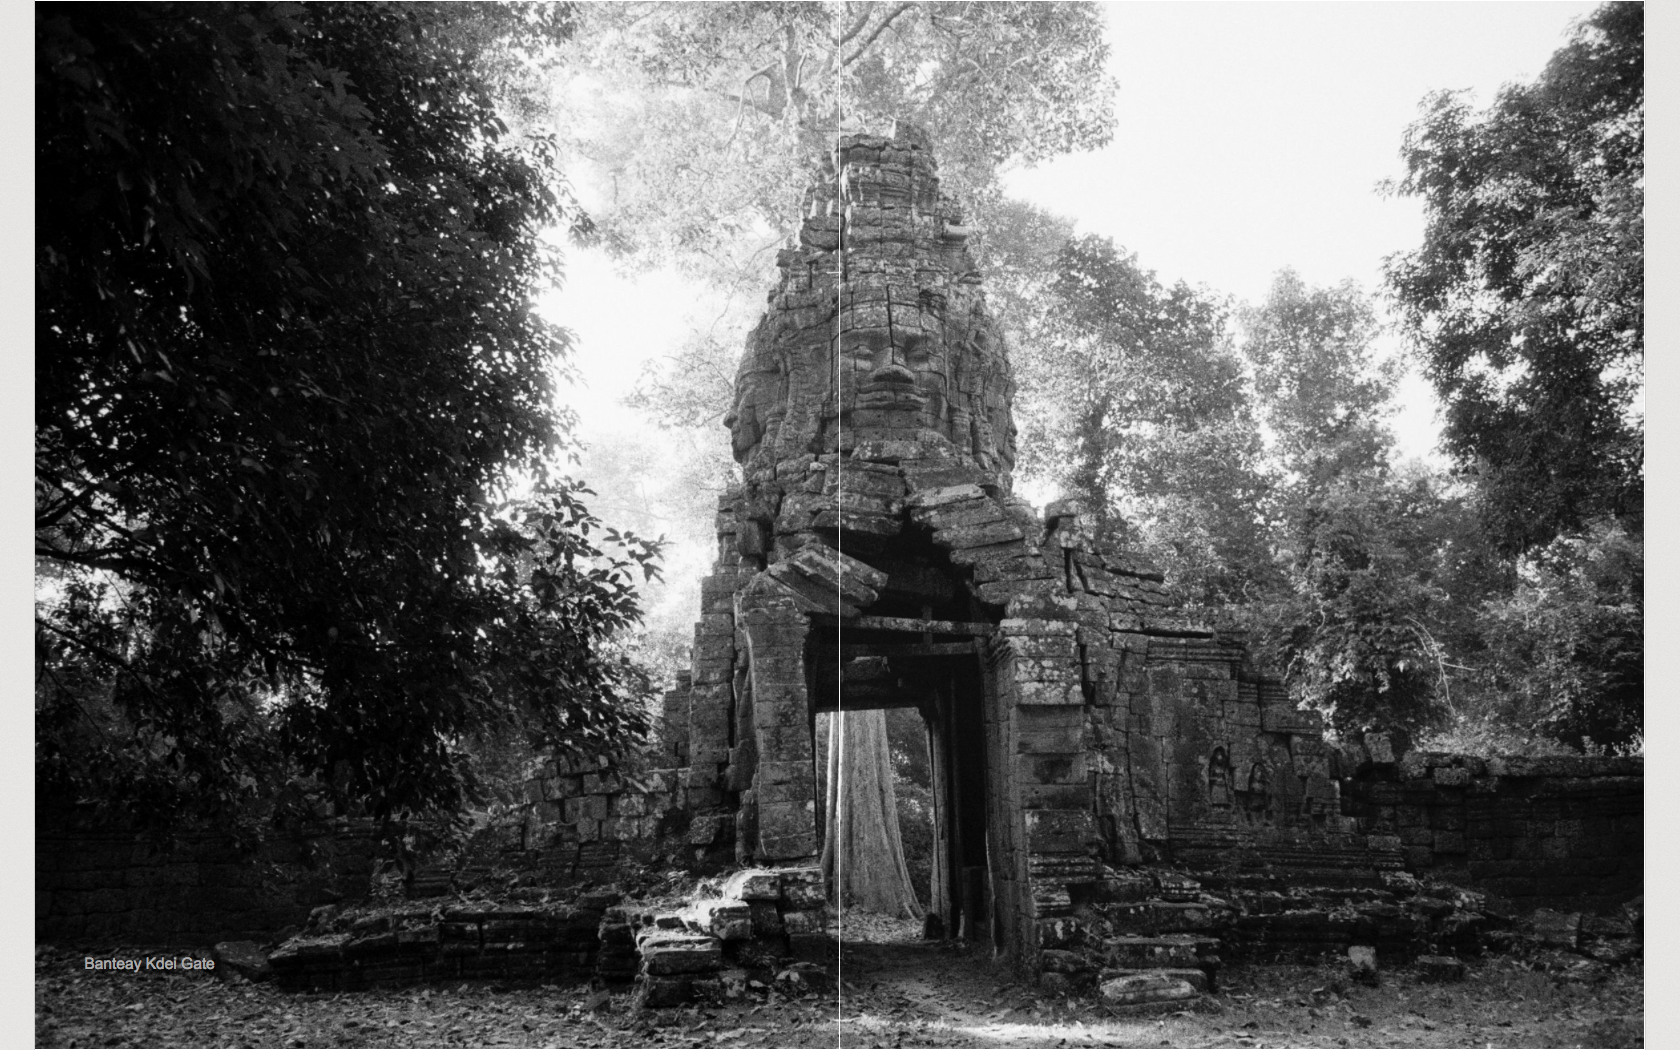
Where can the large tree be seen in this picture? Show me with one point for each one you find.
(703, 123)
(1526, 299)
(1320, 389)
(1133, 398)
(1353, 618)
(286, 362)
(734, 101)
(863, 861)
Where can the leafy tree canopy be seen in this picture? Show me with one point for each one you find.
(701, 124)
(1321, 392)
(1526, 300)
(1352, 628)
(736, 100)
(286, 361)
(1133, 397)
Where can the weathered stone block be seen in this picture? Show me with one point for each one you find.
(810, 921)
(753, 884)
(1066, 691)
(1050, 729)
(1139, 988)
(727, 919)
(1060, 831)
(666, 952)
(1450, 777)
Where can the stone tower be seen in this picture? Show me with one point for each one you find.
(873, 557)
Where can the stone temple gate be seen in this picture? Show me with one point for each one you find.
(874, 556)
(1120, 796)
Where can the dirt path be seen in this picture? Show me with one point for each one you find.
(896, 994)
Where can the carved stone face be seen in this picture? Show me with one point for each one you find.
(900, 372)
(913, 355)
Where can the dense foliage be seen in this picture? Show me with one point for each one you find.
(1526, 299)
(702, 125)
(1500, 603)
(286, 366)
(1133, 398)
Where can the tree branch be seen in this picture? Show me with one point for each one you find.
(741, 103)
(870, 39)
(759, 106)
(857, 26)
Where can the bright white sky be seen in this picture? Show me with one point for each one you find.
(1250, 137)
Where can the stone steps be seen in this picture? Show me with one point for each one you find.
(1196, 977)
(1164, 941)
(710, 948)
(1159, 916)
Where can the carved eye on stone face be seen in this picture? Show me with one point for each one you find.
(865, 348)
(917, 350)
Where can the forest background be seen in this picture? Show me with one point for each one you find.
(1294, 483)
(1489, 597)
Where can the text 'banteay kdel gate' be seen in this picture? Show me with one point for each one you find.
(1076, 725)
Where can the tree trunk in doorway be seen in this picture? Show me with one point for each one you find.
(863, 855)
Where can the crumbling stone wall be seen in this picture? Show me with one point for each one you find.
(1559, 832)
(525, 941)
(575, 801)
(744, 931)
(101, 885)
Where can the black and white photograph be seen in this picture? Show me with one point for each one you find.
(838, 524)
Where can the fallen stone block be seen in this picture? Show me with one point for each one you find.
(802, 889)
(666, 952)
(766, 919)
(1362, 960)
(1157, 953)
(727, 920)
(804, 978)
(1440, 968)
(241, 958)
(754, 884)
(1193, 976)
(1056, 960)
(658, 992)
(1176, 887)
(1555, 928)
(804, 921)
(1138, 988)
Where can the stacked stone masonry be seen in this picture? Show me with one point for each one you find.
(95, 885)
(358, 948)
(577, 802)
(749, 932)
(873, 555)
(1559, 832)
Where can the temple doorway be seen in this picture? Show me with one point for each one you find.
(915, 739)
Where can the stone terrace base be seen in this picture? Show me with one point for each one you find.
(749, 932)
(1139, 936)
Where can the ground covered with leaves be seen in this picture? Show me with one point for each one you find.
(894, 993)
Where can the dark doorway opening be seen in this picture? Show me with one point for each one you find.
(935, 679)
